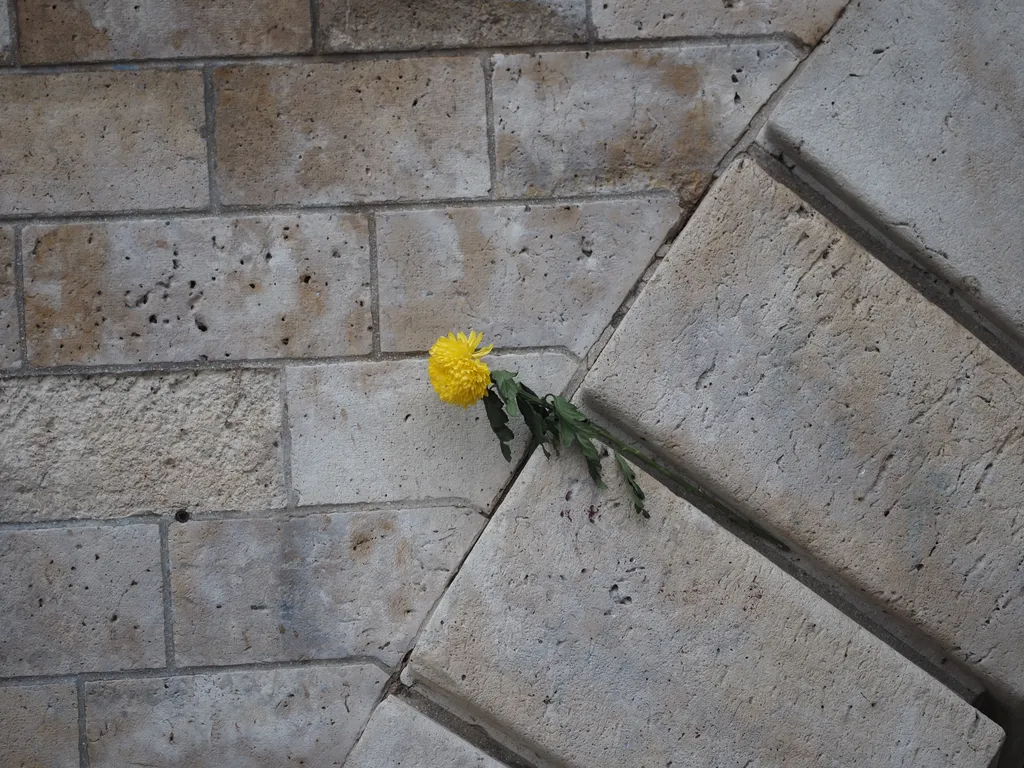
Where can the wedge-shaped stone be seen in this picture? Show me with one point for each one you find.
(10, 352)
(40, 725)
(597, 638)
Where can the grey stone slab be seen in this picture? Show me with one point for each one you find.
(310, 716)
(912, 113)
(376, 431)
(627, 120)
(821, 395)
(10, 349)
(81, 599)
(323, 586)
(145, 291)
(5, 33)
(110, 446)
(527, 276)
(40, 725)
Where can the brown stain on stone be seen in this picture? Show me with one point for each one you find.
(60, 31)
(363, 538)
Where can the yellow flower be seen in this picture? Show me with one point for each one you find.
(456, 372)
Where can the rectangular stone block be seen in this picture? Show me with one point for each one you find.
(102, 141)
(10, 345)
(310, 716)
(376, 431)
(110, 446)
(328, 133)
(105, 30)
(208, 288)
(40, 725)
(598, 639)
(664, 117)
(81, 599)
(5, 33)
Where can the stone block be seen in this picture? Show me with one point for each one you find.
(102, 141)
(40, 725)
(323, 586)
(376, 431)
(208, 288)
(80, 599)
(618, 121)
(111, 446)
(10, 349)
(593, 637)
(329, 133)
(5, 33)
(105, 30)
(309, 716)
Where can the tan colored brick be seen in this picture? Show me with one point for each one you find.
(40, 725)
(350, 131)
(182, 289)
(10, 352)
(102, 141)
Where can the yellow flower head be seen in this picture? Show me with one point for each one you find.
(456, 371)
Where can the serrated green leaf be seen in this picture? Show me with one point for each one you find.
(498, 420)
(534, 421)
(636, 493)
(507, 386)
(592, 457)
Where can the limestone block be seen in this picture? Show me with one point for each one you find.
(403, 129)
(207, 288)
(5, 33)
(376, 431)
(40, 725)
(102, 141)
(309, 716)
(10, 352)
(597, 638)
(80, 599)
(110, 446)
(629, 120)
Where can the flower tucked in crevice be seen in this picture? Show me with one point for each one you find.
(456, 372)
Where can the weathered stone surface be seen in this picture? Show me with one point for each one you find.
(102, 30)
(806, 19)
(361, 25)
(399, 736)
(40, 725)
(309, 716)
(376, 431)
(542, 275)
(267, 590)
(208, 288)
(102, 141)
(627, 120)
(944, 183)
(109, 446)
(81, 599)
(10, 352)
(595, 637)
(802, 380)
(406, 129)
(5, 33)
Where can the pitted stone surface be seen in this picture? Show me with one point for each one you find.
(111, 446)
(10, 353)
(409, 129)
(5, 33)
(323, 586)
(816, 391)
(40, 725)
(630, 120)
(530, 276)
(399, 736)
(376, 431)
(102, 30)
(310, 716)
(209, 288)
(913, 112)
(601, 639)
(102, 141)
(80, 599)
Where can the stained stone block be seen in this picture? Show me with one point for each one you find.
(40, 725)
(10, 351)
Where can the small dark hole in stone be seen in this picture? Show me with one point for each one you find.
(181, 515)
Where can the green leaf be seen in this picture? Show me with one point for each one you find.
(508, 388)
(636, 493)
(499, 422)
(593, 458)
(534, 421)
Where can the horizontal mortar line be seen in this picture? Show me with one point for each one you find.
(146, 518)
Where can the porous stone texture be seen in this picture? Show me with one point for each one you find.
(80, 599)
(110, 446)
(807, 20)
(536, 275)
(376, 25)
(409, 129)
(399, 736)
(942, 179)
(104, 30)
(630, 120)
(378, 432)
(267, 590)
(102, 141)
(600, 639)
(208, 288)
(307, 716)
(819, 394)
(10, 351)
(40, 725)
(5, 33)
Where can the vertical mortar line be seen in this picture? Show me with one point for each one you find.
(290, 495)
(12, 20)
(314, 26)
(591, 29)
(165, 570)
(19, 296)
(83, 743)
(211, 144)
(492, 154)
(371, 221)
